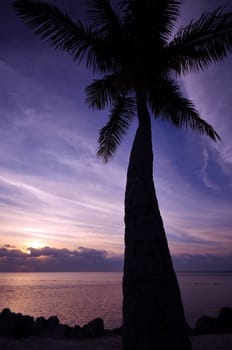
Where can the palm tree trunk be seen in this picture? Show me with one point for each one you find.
(153, 315)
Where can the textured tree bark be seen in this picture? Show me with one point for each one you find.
(153, 315)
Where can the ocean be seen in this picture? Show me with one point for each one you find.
(79, 297)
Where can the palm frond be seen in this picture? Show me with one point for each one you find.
(110, 136)
(167, 102)
(155, 18)
(207, 40)
(62, 33)
(100, 93)
(108, 25)
(103, 16)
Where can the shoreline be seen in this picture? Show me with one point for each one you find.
(113, 342)
(23, 332)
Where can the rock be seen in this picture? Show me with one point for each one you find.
(40, 325)
(225, 320)
(16, 325)
(221, 324)
(76, 332)
(29, 325)
(52, 322)
(24, 325)
(108, 332)
(7, 326)
(28, 319)
(94, 328)
(117, 331)
(5, 313)
(58, 331)
(190, 330)
(50, 327)
(68, 330)
(41, 322)
(206, 325)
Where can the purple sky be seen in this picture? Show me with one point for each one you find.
(55, 192)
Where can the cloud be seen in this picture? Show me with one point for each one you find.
(204, 171)
(53, 188)
(9, 246)
(50, 176)
(210, 91)
(204, 262)
(50, 259)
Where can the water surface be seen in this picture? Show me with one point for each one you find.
(78, 297)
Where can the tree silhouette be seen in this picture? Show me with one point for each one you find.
(140, 64)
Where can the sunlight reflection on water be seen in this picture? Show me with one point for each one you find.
(77, 298)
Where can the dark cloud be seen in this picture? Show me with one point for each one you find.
(206, 262)
(9, 246)
(50, 259)
(7, 253)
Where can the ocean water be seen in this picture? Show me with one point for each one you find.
(79, 297)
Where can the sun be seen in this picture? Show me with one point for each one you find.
(32, 245)
(35, 244)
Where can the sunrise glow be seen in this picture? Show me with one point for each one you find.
(56, 193)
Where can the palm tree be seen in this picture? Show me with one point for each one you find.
(141, 64)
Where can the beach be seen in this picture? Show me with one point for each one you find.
(200, 342)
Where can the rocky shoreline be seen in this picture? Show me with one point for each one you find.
(17, 325)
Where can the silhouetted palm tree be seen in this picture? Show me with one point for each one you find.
(140, 63)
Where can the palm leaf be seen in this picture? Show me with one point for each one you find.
(154, 18)
(166, 101)
(100, 93)
(102, 15)
(108, 25)
(110, 136)
(202, 42)
(62, 33)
